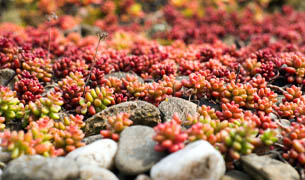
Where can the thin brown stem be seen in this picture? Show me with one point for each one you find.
(275, 77)
(49, 43)
(276, 88)
(51, 17)
(277, 120)
(101, 36)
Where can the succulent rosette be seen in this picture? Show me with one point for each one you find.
(96, 100)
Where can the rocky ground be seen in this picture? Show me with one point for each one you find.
(152, 90)
(134, 157)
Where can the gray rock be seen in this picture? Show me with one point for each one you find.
(40, 168)
(91, 172)
(11, 84)
(280, 99)
(229, 40)
(180, 78)
(100, 153)
(235, 175)
(285, 122)
(76, 29)
(11, 15)
(141, 113)
(7, 78)
(273, 116)
(49, 88)
(143, 177)
(159, 28)
(122, 75)
(136, 152)
(207, 102)
(273, 39)
(5, 157)
(89, 30)
(91, 139)
(173, 104)
(266, 168)
(14, 125)
(198, 160)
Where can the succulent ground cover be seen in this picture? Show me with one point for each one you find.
(245, 78)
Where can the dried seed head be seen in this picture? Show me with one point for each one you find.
(102, 34)
(51, 17)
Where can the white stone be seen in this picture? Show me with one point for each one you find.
(100, 153)
(197, 161)
(40, 168)
(95, 173)
(136, 152)
(256, 167)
